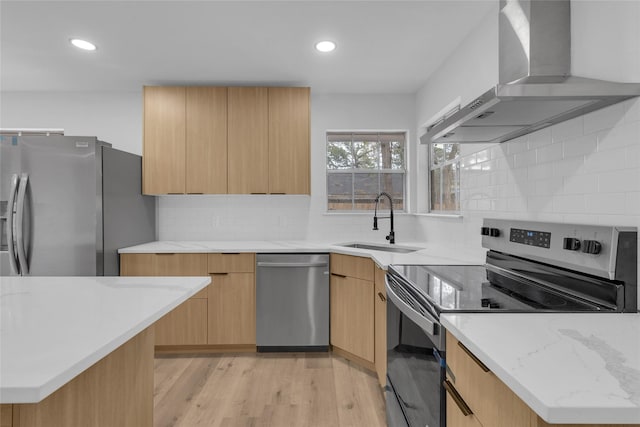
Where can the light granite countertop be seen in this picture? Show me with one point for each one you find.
(569, 368)
(426, 253)
(54, 328)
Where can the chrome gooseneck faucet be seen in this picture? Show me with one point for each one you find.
(392, 235)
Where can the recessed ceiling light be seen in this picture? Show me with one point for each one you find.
(83, 44)
(325, 46)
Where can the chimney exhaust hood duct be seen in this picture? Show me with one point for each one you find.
(536, 89)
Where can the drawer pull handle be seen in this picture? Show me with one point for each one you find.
(462, 405)
(382, 298)
(218, 274)
(165, 253)
(342, 276)
(473, 357)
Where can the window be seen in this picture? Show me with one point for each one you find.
(360, 165)
(444, 177)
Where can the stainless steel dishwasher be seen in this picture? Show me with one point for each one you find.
(292, 302)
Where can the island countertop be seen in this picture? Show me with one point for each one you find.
(575, 368)
(54, 328)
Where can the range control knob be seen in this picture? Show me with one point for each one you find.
(484, 231)
(591, 247)
(571, 244)
(494, 232)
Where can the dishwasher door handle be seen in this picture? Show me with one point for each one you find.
(292, 264)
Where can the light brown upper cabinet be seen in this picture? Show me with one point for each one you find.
(206, 114)
(289, 148)
(218, 140)
(248, 140)
(163, 164)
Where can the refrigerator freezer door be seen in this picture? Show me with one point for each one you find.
(63, 200)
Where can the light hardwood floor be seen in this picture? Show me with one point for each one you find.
(265, 390)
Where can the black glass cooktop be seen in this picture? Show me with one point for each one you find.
(461, 288)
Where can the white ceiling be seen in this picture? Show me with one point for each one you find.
(383, 46)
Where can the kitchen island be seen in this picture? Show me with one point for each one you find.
(573, 368)
(79, 350)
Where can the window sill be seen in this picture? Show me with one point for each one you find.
(439, 215)
(365, 213)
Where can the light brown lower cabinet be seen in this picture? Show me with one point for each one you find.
(232, 309)
(352, 316)
(116, 391)
(492, 403)
(184, 325)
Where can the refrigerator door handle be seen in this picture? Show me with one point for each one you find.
(10, 218)
(22, 254)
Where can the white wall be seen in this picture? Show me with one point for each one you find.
(114, 117)
(237, 217)
(117, 118)
(586, 170)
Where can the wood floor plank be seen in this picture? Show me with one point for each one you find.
(265, 390)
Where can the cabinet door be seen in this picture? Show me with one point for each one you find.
(455, 417)
(206, 168)
(289, 146)
(352, 316)
(248, 140)
(163, 159)
(380, 326)
(232, 309)
(184, 325)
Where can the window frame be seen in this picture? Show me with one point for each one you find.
(354, 171)
(441, 167)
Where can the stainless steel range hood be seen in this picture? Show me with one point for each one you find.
(536, 89)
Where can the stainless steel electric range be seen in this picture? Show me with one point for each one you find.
(530, 267)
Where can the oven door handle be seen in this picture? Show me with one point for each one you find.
(426, 322)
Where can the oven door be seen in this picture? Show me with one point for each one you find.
(415, 363)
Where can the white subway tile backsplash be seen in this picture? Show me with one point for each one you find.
(540, 171)
(606, 203)
(517, 204)
(580, 146)
(605, 118)
(568, 130)
(625, 180)
(524, 159)
(605, 161)
(570, 166)
(633, 202)
(633, 156)
(539, 138)
(549, 153)
(580, 184)
(569, 204)
(547, 187)
(622, 136)
(517, 145)
(540, 204)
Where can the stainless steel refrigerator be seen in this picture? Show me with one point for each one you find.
(67, 204)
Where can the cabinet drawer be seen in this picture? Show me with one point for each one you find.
(232, 263)
(352, 266)
(455, 417)
(493, 403)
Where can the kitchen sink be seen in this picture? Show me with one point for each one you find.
(383, 248)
